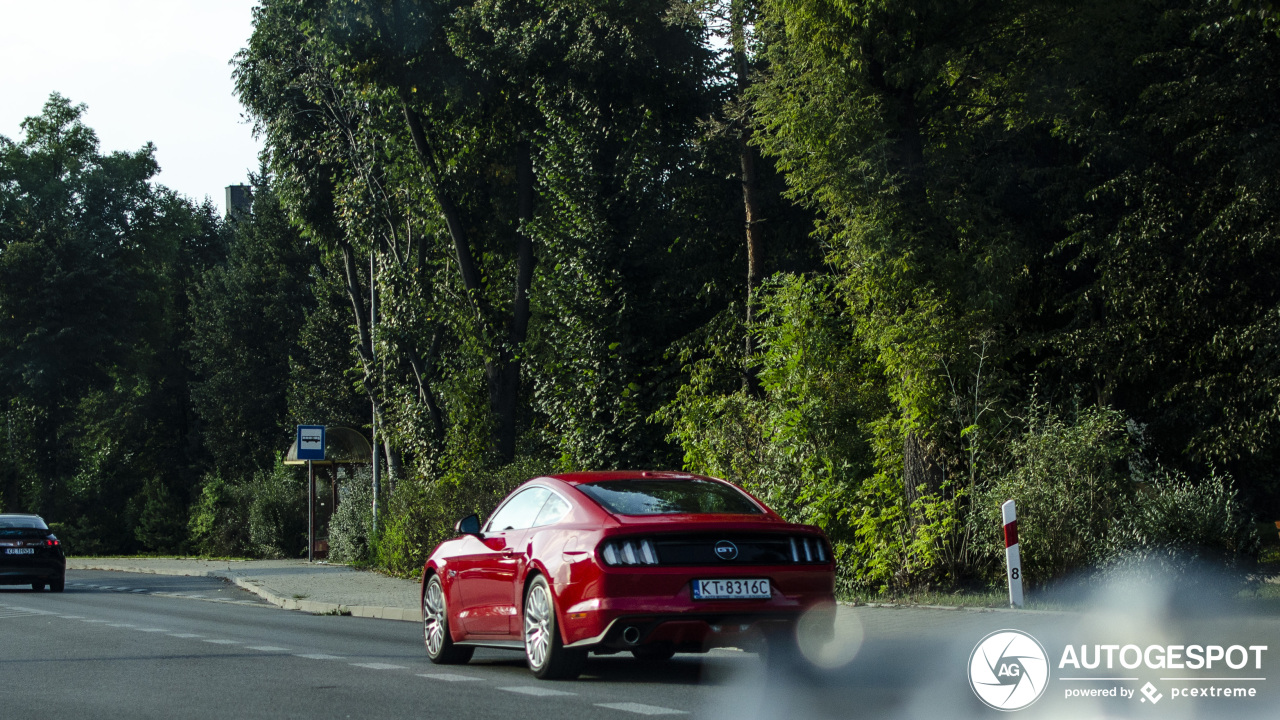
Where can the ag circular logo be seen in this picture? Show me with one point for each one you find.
(1008, 670)
(726, 550)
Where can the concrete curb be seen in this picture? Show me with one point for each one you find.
(257, 587)
(248, 582)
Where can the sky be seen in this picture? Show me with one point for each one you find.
(149, 70)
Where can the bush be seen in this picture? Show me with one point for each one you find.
(800, 444)
(278, 513)
(351, 527)
(219, 524)
(421, 514)
(161, 525)
(1071, 486)
(1177, 527)
(80, 537)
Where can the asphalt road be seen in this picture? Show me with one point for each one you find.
(111, 647)
(117, 645)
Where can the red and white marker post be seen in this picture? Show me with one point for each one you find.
(1012, 559)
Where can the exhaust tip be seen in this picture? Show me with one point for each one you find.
(631, 635)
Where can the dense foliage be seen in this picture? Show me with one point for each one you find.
(884, 264)
(94, 266)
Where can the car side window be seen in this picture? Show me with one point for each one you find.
(553, 510)
(520, 511)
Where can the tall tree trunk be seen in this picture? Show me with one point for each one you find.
(750, 199)
(506, 404)
(502, 374)
(423, 376)
(395, 466)
(364, 334)
(922, 470)
(452, 217)
(755, 253)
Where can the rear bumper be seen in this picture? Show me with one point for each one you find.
(627, 616)
(26, 570)
(687, 632)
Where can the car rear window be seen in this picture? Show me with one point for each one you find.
(669, 497)
(23, 522)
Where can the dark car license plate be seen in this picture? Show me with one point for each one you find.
(19, 551)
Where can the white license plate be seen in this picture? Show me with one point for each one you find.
(730, 589)
(19, 551)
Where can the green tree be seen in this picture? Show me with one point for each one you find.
(93, 265)
(249, 316)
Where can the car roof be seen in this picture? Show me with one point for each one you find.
(18, 515)
(582, 478)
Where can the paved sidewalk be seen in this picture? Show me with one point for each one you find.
(291, 584)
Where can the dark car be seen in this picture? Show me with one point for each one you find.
(29, 553)
(648, 562)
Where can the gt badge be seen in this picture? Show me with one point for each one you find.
(726, 550)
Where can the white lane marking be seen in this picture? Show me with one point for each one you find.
(124, 625)
(319, 656)
(267, 648)
(141, 590)
(220, 642)
(71, 617)
(122, 588)
(641, 708)
(447, 677)
(15, 613)
(152, 630)
(94, 621)
(380, 666)
(536, 691)
(185, 635)
(33, 611)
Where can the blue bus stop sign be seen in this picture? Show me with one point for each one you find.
(310, 442)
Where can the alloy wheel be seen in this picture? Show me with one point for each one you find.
(434, 623)
(537, 626)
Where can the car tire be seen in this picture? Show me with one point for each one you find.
(544, 650)
(58, 585)
(37, 587)
(441, 649)
(654, 654)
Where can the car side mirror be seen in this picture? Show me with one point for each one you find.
(469, 525)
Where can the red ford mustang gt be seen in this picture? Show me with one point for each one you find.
(650, 562)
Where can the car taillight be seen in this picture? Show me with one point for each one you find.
(629, 552)
(52, 542)
(806, 548)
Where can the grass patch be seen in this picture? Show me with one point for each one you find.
(1262, 598)
(989, 598)
(336, 611)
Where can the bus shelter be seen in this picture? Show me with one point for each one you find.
(343, 446)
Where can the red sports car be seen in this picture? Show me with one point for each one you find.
(649, 562)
